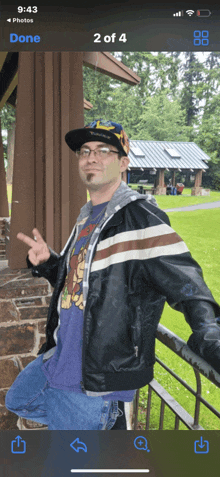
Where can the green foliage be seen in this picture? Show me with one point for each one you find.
(7, 116)
(177, 99)
(209, 140)
(192, 80)
(163, 119)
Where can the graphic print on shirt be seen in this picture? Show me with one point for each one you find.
(72, 291)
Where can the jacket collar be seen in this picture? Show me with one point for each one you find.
(122, 196)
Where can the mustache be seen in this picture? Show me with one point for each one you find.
(91, 169)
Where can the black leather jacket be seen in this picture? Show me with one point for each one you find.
(136, 263)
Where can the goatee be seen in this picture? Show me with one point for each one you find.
(89, 177)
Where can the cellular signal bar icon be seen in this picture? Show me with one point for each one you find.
(178, 14)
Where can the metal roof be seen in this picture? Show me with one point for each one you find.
(158, 155)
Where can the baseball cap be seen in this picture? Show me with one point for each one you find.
(99, 130)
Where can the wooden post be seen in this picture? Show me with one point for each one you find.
(47, 190)
(198, 179)
(159, 181)
(23, 188)
(196, 190)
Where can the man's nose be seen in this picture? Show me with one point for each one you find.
(92, 157)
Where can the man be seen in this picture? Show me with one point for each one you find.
(119, 266)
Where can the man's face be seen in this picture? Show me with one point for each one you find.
(96, 172)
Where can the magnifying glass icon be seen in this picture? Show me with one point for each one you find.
(141, 443)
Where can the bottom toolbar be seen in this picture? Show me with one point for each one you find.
(125, 453)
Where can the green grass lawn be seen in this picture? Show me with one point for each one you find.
(183, 200)
(9, 194)
(200, 230)
(173, 201)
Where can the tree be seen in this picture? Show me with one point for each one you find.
(163, 120)
(209, 140)
(192, 80)
(211, 83)
(7, 118)
(7, 115)
(97, 90)
(177, 100)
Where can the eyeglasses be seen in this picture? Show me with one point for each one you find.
(101, 152)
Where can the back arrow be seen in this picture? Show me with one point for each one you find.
(79, 445)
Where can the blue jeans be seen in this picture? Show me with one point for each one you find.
(31, 397)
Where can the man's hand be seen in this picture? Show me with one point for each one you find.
(39, 251)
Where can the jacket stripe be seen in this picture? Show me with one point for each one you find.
(139, 234)
(138, 249)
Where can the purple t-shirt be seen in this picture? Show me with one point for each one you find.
(64, 369)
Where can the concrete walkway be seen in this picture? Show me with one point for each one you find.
(209, 205)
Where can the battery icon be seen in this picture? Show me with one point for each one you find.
(203, 13)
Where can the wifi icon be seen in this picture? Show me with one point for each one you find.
(190, 12)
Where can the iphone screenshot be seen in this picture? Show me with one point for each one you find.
(109, 239)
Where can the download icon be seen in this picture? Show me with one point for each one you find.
(201, 446)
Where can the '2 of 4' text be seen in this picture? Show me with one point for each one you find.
(110, 38)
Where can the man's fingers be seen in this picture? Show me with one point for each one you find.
(29, 241)
(24, 238)
(33, 259)
(39, 251)
(43, 257)
(38, 259)
(38, 236)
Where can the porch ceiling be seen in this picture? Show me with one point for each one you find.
(103, 62)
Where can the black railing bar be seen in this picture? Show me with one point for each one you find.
(192, 391)
(210, 407)
(181, 381)
(175, 407)
(162, 406)
(198, 396)
(180, 347)
(136, 403)
(177, 421)
(148, 407)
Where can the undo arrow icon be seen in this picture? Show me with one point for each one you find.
(77, 445)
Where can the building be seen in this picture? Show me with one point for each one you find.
(159, 156)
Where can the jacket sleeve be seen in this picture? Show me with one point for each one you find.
(48, 269)
(178, 277)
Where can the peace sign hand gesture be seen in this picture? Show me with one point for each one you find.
(39, 251)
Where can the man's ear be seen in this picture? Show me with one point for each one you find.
(124, 163)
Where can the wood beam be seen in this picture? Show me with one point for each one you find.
(105, 63)
(3, 55)
(87, 104)
(9, 90)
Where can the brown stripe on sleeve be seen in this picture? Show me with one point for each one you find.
(141, 244)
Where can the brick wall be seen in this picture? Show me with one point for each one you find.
(2, 239)
(24, 303)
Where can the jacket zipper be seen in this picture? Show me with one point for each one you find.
(137, 332)
(89, 266)
(136, 351)
(82, 387)
(73, 234)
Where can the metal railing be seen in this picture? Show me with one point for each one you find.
(199, 366)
